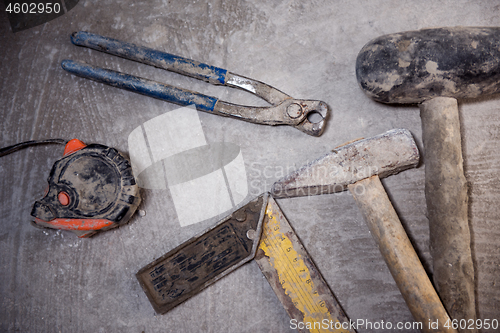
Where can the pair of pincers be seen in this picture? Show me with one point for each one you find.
(285, 110)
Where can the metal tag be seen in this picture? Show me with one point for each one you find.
(204, 259)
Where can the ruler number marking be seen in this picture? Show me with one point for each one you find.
(301, 293)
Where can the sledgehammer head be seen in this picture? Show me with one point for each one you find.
(414, 66)
(382, 155)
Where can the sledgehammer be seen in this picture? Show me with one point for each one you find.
(434, 67)
(358, 166)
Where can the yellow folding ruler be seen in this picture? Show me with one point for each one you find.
(259, 231)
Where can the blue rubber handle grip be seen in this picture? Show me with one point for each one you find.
(151, 57)
(140, 85)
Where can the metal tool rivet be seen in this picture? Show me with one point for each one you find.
(294, 110)
(251, 234)
(240, 216)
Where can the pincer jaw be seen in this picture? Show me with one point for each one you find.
(312, 109)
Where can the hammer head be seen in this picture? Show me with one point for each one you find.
(383, 155)
(414, 66)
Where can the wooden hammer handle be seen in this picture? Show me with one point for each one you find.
(398, 252)
(447, 208)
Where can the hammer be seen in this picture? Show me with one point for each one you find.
(358, 167)
(434, 67)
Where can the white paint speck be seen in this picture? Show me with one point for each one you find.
(431, 67)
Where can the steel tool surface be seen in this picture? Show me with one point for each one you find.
(435, 67)
(358, 166)
(284, 110)
(260, 231)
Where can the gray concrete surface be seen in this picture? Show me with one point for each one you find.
(51, 281)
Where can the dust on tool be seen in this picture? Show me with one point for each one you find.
(91, 189)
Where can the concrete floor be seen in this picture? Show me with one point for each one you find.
(54, 282)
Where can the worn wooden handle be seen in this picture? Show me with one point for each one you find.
(403, 262)
(447, 208)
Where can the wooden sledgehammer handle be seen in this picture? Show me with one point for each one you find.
(398, 252)
(446, 197)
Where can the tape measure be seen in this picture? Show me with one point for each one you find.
(91, 189)
(259, 231)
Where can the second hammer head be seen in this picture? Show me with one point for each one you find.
(382, 155)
